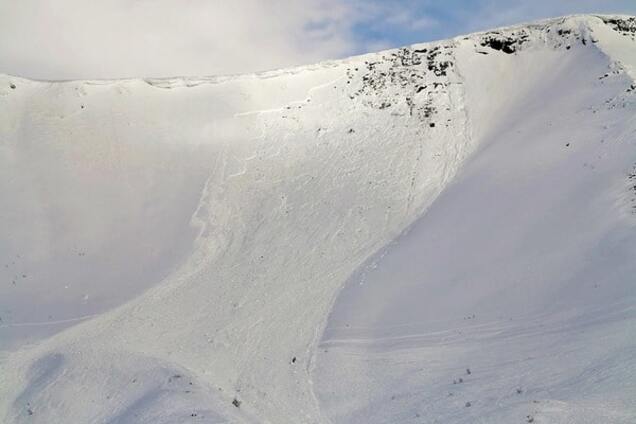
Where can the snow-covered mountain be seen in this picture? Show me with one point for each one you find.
(443, 233)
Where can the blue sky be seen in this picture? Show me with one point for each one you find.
(81, 39)
(426, 20)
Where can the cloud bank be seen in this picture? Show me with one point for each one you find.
(67, 39)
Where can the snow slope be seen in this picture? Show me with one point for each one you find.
(522, 271)
(173, 247)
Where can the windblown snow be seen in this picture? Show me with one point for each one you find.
(443, 233)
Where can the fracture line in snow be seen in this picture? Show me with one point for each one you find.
(280, 109)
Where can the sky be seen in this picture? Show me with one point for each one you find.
(107, 39)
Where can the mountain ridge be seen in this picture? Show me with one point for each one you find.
(620, 22)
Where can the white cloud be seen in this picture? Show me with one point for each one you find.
(66, 39)
(407, 19)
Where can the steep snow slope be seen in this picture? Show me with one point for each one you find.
(522, 272)
(239, 206)
(307, 172)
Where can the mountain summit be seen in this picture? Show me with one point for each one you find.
(438, 233)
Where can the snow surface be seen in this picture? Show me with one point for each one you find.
(172, 249)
